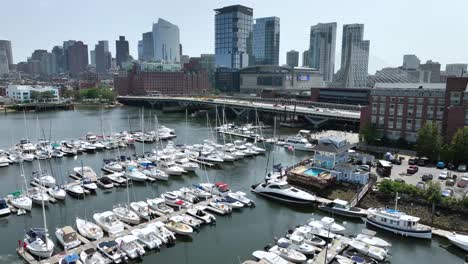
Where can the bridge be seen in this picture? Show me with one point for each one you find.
(315, 113)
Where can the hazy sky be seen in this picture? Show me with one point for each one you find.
(436, 30)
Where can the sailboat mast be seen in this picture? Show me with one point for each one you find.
(143, 128)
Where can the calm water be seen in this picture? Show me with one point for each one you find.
(232, 240)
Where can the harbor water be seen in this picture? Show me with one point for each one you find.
(231, 240)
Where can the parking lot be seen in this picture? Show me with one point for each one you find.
(400, 172)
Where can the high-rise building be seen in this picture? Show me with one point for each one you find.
(184, 59)
(103, 56)
(292, 58)
(92, 55)
(207, 62)
(6, 46)
(146, 47)
(166, 41)
(37, 54)
(233, 36)
(411, 62)
(77, 57)
(456, 69)
(266, 41)
(59, 58)
(354, 58)
(4, 62)
(305, 59)
(122, 51)
(431, 71)
(48, 64)
(322, 49)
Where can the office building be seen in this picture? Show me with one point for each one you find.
(431, 72)
(354, 58)
(322, 47)
(207, 62)
(76, 57)
(184, 59)
(266, 41)
(48, 64)
(22, 93)
(4, 62)
(92, 55)
(146, 47)
(233, 36)
(5, 45)
(411, 62)
(456, 69)
(59, 58)
(37, 54)
(305, 58)
(122, 51)
(292, 58)
(166, 42)
(103, 56)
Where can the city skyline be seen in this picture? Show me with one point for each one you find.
(381, 28)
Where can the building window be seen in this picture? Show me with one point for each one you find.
(411, 100)
(401, 99)
(417, 124)
(381, 122)
(431, 101)
(392, 99)
(398, 123)
(374, 119)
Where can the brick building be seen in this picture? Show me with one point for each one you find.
(399, 110)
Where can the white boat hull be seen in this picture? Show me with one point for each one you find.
(407, 233)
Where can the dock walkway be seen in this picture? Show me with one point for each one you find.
(326, 256)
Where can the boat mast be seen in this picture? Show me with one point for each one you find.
(143, 129)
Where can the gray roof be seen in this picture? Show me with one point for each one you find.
(330, 147)
(380, 85)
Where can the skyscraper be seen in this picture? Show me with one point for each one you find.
(354, 57)
(411, 62)
(6, 46)
(103, 56)
(4, 62)
(166, 41)
(122, 51)
(147, 46)
(59, 58)
(292, 58)
(456, 69)
(266, 41)
(92, 55)
(322, 49)
(233, 36)
(48, 64)
(77, 57)
(305, 58)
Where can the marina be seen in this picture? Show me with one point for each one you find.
(232, 236)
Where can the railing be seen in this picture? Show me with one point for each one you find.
(361, 193)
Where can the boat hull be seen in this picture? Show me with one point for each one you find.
(349, 214)
(425, 234)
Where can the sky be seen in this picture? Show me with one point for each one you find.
(431, 29)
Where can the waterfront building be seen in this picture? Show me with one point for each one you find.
(76, 57)
(266, 41)
(305, 59)
(322, 47)
(354, 58)
(292, 58)
(456, 69)
(103, 56)
(22, 93)
(6, 46)
(166, 42)
(122, 52)
(334, 95)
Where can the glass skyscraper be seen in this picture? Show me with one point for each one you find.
(266, 41)
(166, 41)
(322, 49)
(233, 36)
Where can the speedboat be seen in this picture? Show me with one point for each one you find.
(70, 259)
(281, 190)
(199, 213)
(219, 188)
(155, 173)
(126, 215)
(288, 254)
(67, 237)
(43, 179)
(38, 196)
(134, 174)
(159, 205)
(38, 243)
(171, 168)
(85, 172)
(322, 233)
(112, 166)
(75, 190)
(199, 193)
(188, 220)
(91, 256)
(142, 209)
(297, 243)
(179, 228)
(129, 244)
(219, 208)
(357, 257)
(105, 182)
(89, 229)
(341, 207)
(187, 196)
(327, 223)
(109, 222)
(89, 185)
(148, 237)
(57, 192)
(186, 164)
(231, 202)
(377, 253)
(458, 240)
(369, 238)
(4, 209)
(309, 238)
(241, 197)
(166, 236)
(111, 250)
(117, 178)
(20, 201)
(397, 222)
(172, 199)
(269, 257)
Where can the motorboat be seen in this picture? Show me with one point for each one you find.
(248, 152)
(159, 205)
(56, 153)
(67, 151)
(105, 182)
(117, 178)
(57, 192)
(281, 190)
(219, 208)
(397, 222)
(341, 207)
(4, 160)
(88, 147)
(357, 257)
(172, 199)
(255, 148)
(269, 257)
(38, 196)
(70, 259)
(241, 197)
(199, 193)
(209, 157)
(124, 214)
(111, 250)
(20, 201)
(377, 253)
(299, 143)
(4, 209)
(187, 196)
(320, 232)
(327, 223)
(288, 254)
(179, 228)
(38, 243)
(112, 166)
(142, 209)
(89, 229)
(188, 220)
(148, 237)
(67, 237)
(166, 236)
(297, 243)
(155, 173)
(458, 240)
(171, 168)
(233, 203)
(91, 256)
(199, 213)
(75, 190)
(218, 188)
(132, 173)
(129, 244)
(239, 144)
(109, 222)
(85, 172)
(186, 164)
(309, 238)
(43, 179)
(368, 237)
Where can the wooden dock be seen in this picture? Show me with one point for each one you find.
(326, 256)
(204, 163)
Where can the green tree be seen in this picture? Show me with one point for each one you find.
(429, 141)
(459, 145)
(387, 186)
(433, 192)
(368, 133)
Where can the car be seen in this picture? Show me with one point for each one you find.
(427, 177)
(400, 180)
(396, 161)
(443, 175)
(461, 168)
(447, 192)
(440, 165)
(412, 169)
(421, 185)
(450, 182)
(412, 161)
(462, 183)
(423, 161)
(450, 166)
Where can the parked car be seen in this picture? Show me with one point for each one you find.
(423, 161)
(421, 185)
(412, 161)
(427, 177)
(400, 180)
(443, 175)
(396, 161)
(461, 167)
(412, 169)
(440, 165)
(447, 192)
(450, 166)
(450, 182)
(462, 183)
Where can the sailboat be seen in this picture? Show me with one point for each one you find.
(89, 229)
(19, 199)
(123, 213)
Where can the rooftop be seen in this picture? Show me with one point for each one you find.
(380, 85)
(333, 145)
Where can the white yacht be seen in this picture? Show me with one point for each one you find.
(38, 195)
(126, 215)
(111, 250)
(341, 207)
(377, 253)
(159, 205)
(75, 190)
(89, 229)
(4, 160)
(186, 164)
(287, 253)
(171, 168)
(20, 201)
(172, 199)
(281, 190)
(397, 222)
(166, 236)
(179, 228)
(129, 244)
(199, 213)
(91, 256)
(299, 143)
(148, 237)
(57, 192)
(67, 237)
(298, 243)
(327, 223)
(38, 243)
(4, 209)
(109, 222)
(458, 240)
(142, 209)
(132, 173)
(368, 237)
(43, 179)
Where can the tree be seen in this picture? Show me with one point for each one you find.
(459, 145)
(429, 141)
(433, 192)
(368, 133)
